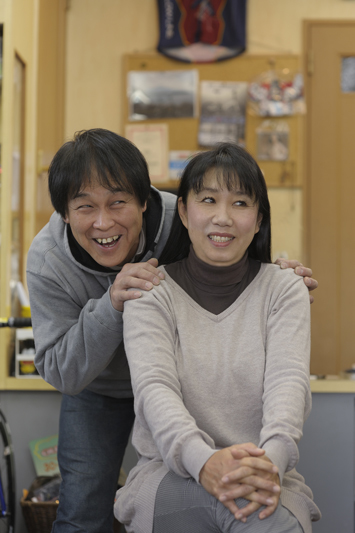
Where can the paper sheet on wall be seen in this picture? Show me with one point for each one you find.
(152, 141)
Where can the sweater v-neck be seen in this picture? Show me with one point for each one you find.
(214, 288)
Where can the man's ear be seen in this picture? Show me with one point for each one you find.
(66, 219)
(182, 211)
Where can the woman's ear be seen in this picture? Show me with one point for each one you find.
(182, 211)
(258, 223)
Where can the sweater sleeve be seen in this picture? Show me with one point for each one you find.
(286, 396)
(74, 344)
(150, 342)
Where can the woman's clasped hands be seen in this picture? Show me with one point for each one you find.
(242, 471)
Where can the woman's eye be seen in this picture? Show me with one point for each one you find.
(208, 200)
(240, 202)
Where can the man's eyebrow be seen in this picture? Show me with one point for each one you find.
(82, 194)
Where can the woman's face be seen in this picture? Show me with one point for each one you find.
(221, 223)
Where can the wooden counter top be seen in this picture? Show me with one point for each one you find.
(333, 385)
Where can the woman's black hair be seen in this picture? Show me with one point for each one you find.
(235, 168)
(97, 156)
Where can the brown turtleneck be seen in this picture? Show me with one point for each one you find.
(214, 288)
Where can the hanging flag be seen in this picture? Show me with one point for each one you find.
(201, 31)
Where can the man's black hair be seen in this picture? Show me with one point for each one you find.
(97, 156)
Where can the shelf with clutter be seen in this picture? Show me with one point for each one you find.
(18, 371)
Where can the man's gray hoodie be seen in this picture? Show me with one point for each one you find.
(78, 334)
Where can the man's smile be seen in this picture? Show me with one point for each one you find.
(108, 240)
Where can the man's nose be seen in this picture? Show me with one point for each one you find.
(103, 220)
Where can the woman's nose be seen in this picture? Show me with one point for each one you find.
(222, 216)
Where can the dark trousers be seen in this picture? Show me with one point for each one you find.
(93, 435)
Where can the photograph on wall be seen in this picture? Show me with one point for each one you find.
(222, 116)
(273, 141)
(162, 94)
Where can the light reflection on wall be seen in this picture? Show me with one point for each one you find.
(17, 171)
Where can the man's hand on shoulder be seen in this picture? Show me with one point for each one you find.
(141, 276)
(301, 270)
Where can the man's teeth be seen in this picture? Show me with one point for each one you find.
(217, 238)
(108, 240)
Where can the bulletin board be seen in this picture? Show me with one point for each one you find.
(183, 132)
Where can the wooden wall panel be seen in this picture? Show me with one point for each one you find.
(50, 98)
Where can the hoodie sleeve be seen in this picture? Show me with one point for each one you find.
(74, 343)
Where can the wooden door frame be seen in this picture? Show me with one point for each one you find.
(308, 66)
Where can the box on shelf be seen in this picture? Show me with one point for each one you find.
(24, 354)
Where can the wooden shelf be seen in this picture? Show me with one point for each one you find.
(333, 385)
(168, 185)
(33, 384)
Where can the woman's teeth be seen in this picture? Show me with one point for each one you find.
(108, 240)
(217, 238)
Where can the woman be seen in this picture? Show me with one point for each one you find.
(221, 397)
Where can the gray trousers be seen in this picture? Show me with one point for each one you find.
(183, 506)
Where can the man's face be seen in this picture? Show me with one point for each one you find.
(106, 224)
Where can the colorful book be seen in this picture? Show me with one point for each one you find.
(44, 455)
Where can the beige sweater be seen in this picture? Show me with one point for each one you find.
(203, 382)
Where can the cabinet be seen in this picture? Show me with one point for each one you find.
(327, 459)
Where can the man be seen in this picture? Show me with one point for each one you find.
(108, 230)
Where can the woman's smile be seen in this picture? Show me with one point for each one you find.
(220, 239)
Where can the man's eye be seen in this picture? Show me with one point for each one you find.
(85, 206)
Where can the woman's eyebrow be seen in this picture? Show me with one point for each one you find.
(240, 192)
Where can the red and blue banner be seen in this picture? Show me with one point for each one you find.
(202, 30)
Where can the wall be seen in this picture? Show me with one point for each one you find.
(283, 31)
(100, 33)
